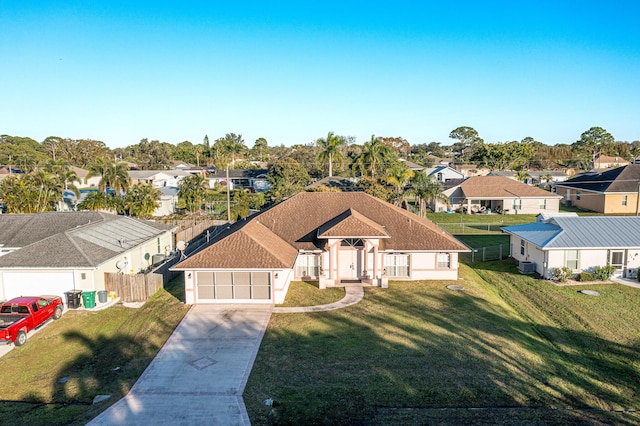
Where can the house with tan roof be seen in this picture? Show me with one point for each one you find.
(330, 237)
(499, 194)
(601, 162)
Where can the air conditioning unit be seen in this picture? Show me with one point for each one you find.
(527, 267)
(632, 273)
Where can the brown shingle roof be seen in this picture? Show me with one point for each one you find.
(272, 238)
(251, 246)
(501, 187)
(353, 225)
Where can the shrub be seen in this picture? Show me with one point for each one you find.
(586, 276)
(561, 274)
(603, 273)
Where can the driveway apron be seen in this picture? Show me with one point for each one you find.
(199, 374)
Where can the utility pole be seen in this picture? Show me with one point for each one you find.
(638, 200)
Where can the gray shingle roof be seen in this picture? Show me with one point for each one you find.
(71, 239)
(581, 232)
(621, 179)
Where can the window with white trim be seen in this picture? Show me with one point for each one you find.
(444, 261)
(543, 204)
(522, 247)
(517, 204)
(624, 200)
(571, 259)
(308, 265)
(577, 195)
(396, 265)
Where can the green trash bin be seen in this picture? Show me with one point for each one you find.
(89, 299)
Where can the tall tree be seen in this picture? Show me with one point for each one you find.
(468, 139)
(331, 150)
(260, 150)
(226, 150)
(593, 141)
(287, 177)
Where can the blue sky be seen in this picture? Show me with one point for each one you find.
(292, 71)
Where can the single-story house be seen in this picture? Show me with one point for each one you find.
(254, 179)
(329, 237)
(160, 178)
(613, 191)
(601, 162)
(579, 243)
(443, 173)
(54, 252)
(499, 194)
(470, 170)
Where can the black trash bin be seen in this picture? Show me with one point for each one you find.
(73, 298)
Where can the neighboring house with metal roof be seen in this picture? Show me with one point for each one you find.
(613, 191)
(579, 243)
(499, 194)
(54, 252)
(329, 237)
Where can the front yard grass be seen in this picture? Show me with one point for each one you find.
(99, 352)
(305, 293)
(520, 350)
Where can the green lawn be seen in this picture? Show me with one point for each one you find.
(417, 353)
(304, 293)
(99, 352)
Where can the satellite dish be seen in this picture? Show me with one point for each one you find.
(181, 245)
(121, 264)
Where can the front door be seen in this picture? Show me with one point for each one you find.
(616, 258)
(350, 263)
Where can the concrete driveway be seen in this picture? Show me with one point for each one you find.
(200, 373)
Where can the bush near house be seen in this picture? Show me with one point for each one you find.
(561, 274)
(603, 273)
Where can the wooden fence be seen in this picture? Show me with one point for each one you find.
(133, 288)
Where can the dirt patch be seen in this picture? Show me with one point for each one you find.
(569, 283)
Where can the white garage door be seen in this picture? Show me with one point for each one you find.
(35, 284)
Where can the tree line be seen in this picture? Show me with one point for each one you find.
(379, 163)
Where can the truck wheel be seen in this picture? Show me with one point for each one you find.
(58, 313)
(21, 339)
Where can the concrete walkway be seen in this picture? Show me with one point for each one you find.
(627, 281)
(199, 375)
(353, 294)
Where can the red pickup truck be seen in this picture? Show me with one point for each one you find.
(20, 315)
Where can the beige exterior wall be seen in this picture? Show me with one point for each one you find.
(588, 200)
(614, 203)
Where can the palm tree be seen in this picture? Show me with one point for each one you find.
(374, 153)
(95, 201)
(330, 150)
(225, 151)
(193, 189)
(114, 175)
(399, 176)
(428, 190)
(141, 200)
(65, 174)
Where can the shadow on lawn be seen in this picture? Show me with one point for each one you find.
(424, 347)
